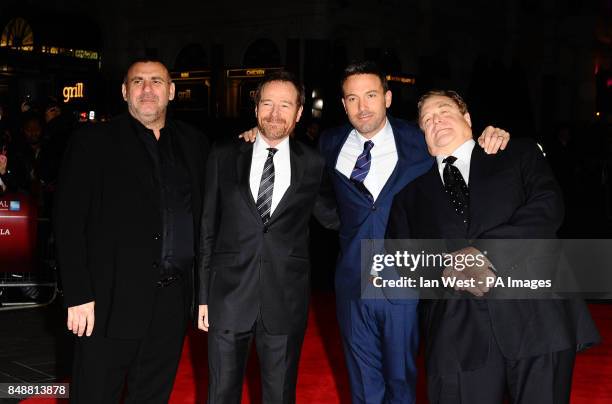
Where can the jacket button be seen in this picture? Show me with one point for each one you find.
(266, 229)
(373, 207)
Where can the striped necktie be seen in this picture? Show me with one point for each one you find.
(266, 187)
(362, 168)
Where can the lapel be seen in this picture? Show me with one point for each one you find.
(449, 224)
(137, 162)
(298, 167)
(477, 186)
(343, 135)
(402, 165)
(243, 170)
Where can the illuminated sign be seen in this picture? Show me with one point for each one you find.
(184, 95)
(5, 232)
(191, 75)
(73, 92)
(76, 53)
(402, 79)
(246, 73)
(255, 72)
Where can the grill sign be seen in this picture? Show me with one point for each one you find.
(73, 92)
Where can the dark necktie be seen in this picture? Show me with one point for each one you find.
(266, 187)
(456, 188)
(362, 168)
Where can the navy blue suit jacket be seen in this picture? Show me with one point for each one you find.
(360, 219)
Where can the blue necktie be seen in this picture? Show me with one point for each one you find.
(362, 168)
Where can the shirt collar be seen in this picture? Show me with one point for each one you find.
(143, 130)
(384, 135)
(261, 146)
(463, 152)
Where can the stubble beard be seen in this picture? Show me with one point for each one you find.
(274, 132)
(147, 118)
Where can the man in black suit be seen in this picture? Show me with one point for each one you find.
(254, 265)
(128, 211)
(477, 350)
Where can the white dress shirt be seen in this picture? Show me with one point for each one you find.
(384, 157)
(282, 169)
(464, 156)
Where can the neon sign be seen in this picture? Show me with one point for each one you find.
(73, 92)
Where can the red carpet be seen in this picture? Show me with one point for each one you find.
(322, 374)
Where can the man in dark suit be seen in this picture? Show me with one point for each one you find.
(254, 267)
(127, 212)
(480, 351)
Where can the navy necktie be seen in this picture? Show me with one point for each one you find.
(362, 168)
(266, 187)
(456, 188)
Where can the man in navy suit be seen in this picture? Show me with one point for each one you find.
(369, 161)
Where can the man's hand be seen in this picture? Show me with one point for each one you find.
(477, 274)
(249, 136)
(81, 319)
(203, 317)
(493, 139)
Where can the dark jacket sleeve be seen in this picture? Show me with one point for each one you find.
(208, 229)
(538, 217)
(326, 209)
(79, 186)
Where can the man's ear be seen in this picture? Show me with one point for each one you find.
(299, 114)
(172, 91)
(344, 105)
(124, 91)
(468, 119)
(388, 98)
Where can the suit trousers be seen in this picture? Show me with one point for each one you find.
(380, 341)
(279, 356)
(542, 379)
(103, 366)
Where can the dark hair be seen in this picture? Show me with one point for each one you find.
(364, 67)
(145, 60)
(453, 95)
(286, 77)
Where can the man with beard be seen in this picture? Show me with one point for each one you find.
(128, 210)
(254, 265)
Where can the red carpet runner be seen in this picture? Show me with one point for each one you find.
(322, 374)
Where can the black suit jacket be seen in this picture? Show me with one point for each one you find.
(247, 268)
(108, 222)
(513, 195)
